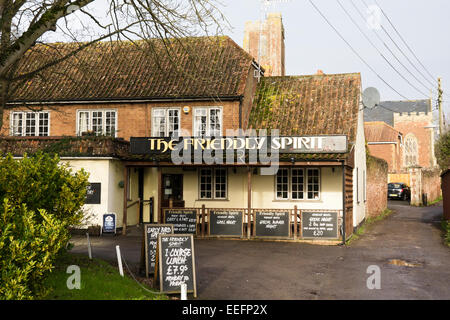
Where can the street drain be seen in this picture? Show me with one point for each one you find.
(403, 263)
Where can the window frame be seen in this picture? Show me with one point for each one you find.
(90, 119)
(23, 126)
(305, 184)
(166, 119)
(208, 125)
(213, 184)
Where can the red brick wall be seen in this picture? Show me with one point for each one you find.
(446, 194)
(431, 184)
(377, 171)
(388, 152)
(134, 119)
(415, 124)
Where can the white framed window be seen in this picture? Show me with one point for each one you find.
(208, 122)
(213, 183)
(30, 123)
(97, 122)
(297, 184)
(165, 122)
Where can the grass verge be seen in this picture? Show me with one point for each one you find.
(369, 221)
(446, 226)
(98, 281)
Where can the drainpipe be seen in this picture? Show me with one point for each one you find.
(343, 202)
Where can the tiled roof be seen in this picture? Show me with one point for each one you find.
(308, 105)
(386, 109)
(379, 131)
(196, 67)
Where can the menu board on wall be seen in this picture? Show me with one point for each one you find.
(183, 220)
(322, 225)
(272, 224)
(93, 193)
(225, 223)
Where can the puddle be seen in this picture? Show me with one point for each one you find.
(403, 263)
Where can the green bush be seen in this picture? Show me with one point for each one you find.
(41, 182)
(28, 250)
(442, 151)
(39, 199)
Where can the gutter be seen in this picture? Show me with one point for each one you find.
(134, 100)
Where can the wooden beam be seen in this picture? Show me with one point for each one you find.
(125, 198)
(249, 200)
(159, 215)
(284, 163)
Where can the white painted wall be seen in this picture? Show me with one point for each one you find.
(109, 172)
(359, 173)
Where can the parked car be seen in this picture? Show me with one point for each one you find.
(398, 191)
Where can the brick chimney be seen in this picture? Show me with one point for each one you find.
(271, 36)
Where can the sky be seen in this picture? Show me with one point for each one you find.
(312, 44)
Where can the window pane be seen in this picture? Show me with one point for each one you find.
(97, 122)
(205, 183)
(297, 183)
(215, 121)
(43, 124)
(282, 184)
(200, 122)
(110, 123)
(83, 122)
(30, 124)
(220, 183)
(17, 124)
(159, 122)
(174, 121)
(313, 183)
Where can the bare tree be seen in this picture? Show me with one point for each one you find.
(25, 23)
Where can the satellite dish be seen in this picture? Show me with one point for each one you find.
(371, 97)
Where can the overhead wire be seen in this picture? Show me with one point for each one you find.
(356, 52)
(376, 48)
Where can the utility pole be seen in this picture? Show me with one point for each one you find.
(441, 125)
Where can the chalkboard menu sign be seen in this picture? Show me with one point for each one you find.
(93, 193)
(176, 263)
(109, 223)
(272, 224)
(183, 220)
(225, 223)
(320, 225)
(151, 232)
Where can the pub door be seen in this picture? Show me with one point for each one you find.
(172, 190)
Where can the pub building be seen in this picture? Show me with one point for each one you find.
(207, 143)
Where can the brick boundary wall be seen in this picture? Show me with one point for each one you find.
(431, 184)
(377, 180)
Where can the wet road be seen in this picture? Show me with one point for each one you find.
(240, 270)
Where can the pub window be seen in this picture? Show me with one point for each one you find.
(213, 183)
(283, 184)
(97, 122)
(30, 123)
(208, 122)
(298, 184)
(313, 176)
(166, 122)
